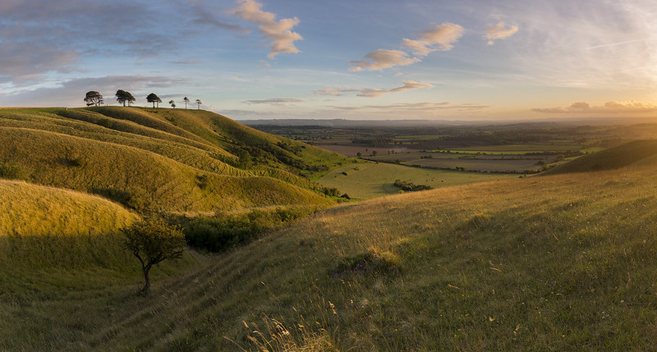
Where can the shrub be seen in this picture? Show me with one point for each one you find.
(224, 231)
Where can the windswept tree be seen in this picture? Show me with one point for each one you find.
(124, 97)
(153, 98)
(172, 103)
(198, 103)
(186, 102)
(93, 98)
(153, 241)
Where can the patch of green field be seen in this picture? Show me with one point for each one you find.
(369, 180)
(522, 148)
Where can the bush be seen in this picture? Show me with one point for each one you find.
(224, 231)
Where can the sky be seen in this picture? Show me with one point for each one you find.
(339, 59)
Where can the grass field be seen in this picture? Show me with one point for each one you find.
(543, 263)
(369, 180)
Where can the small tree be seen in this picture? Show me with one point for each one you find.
(186, 102)
(172, 103)
(123, 97)
(93, 98)
(153, 98)
(153, 241)
(198, 102)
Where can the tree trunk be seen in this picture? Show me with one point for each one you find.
(147, 280)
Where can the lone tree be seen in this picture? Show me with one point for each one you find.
(153, 98)
(198, 102)
(152, 241)
(93, 98)
(124, 97)
(172, 103)
(186, 102)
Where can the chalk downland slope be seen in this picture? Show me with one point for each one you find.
(609, 159)
(159, 159)
(562, 262)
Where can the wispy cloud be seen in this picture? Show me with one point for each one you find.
(416, 107)
(336, 91)
(499, 31)
(204, 16)
(611, 107)
(382, 59)
(408, 85)
(274, 101)
(71, 92)
(442, 38)
(278, 33)
(370, 92)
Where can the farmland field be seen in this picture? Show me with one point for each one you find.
(370, 180)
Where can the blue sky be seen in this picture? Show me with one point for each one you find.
(384, 59)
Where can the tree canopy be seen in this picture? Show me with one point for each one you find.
(199, 102)
(93, 98)
(153, 241)
(124, 97)
(153, 98)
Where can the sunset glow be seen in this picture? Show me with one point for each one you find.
(417, 59)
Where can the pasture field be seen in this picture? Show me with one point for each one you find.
(370, 180)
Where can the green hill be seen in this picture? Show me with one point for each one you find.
(612, 158)
(160, 159)
(44, 227)
(563, 262)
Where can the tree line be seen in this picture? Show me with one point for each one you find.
(93, 98)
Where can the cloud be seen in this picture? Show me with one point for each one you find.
(280, 35)
(370, 92)
(71, 92)
(408, 85)
(337, 91)
(426, 107)
(204, 16)
(498, 32)
(274, 101)
(382, 59)
(611, 107)
(24, 62)
(440, 38)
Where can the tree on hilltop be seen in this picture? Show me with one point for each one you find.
(172, 103)
(186, 102)
(124, 97)
(153, 98)
(93, 98)
(198, 102)
(153, 241)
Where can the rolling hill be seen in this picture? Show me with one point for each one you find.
(609, 159)
(561, 262)
(161, 160)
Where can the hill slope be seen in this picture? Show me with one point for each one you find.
(46, 227)
(159, 159)
(613, 158)
(550, 263)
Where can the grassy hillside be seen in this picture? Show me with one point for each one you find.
(552, 263)
(45, 227)
(159, 159)
(613, 158)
